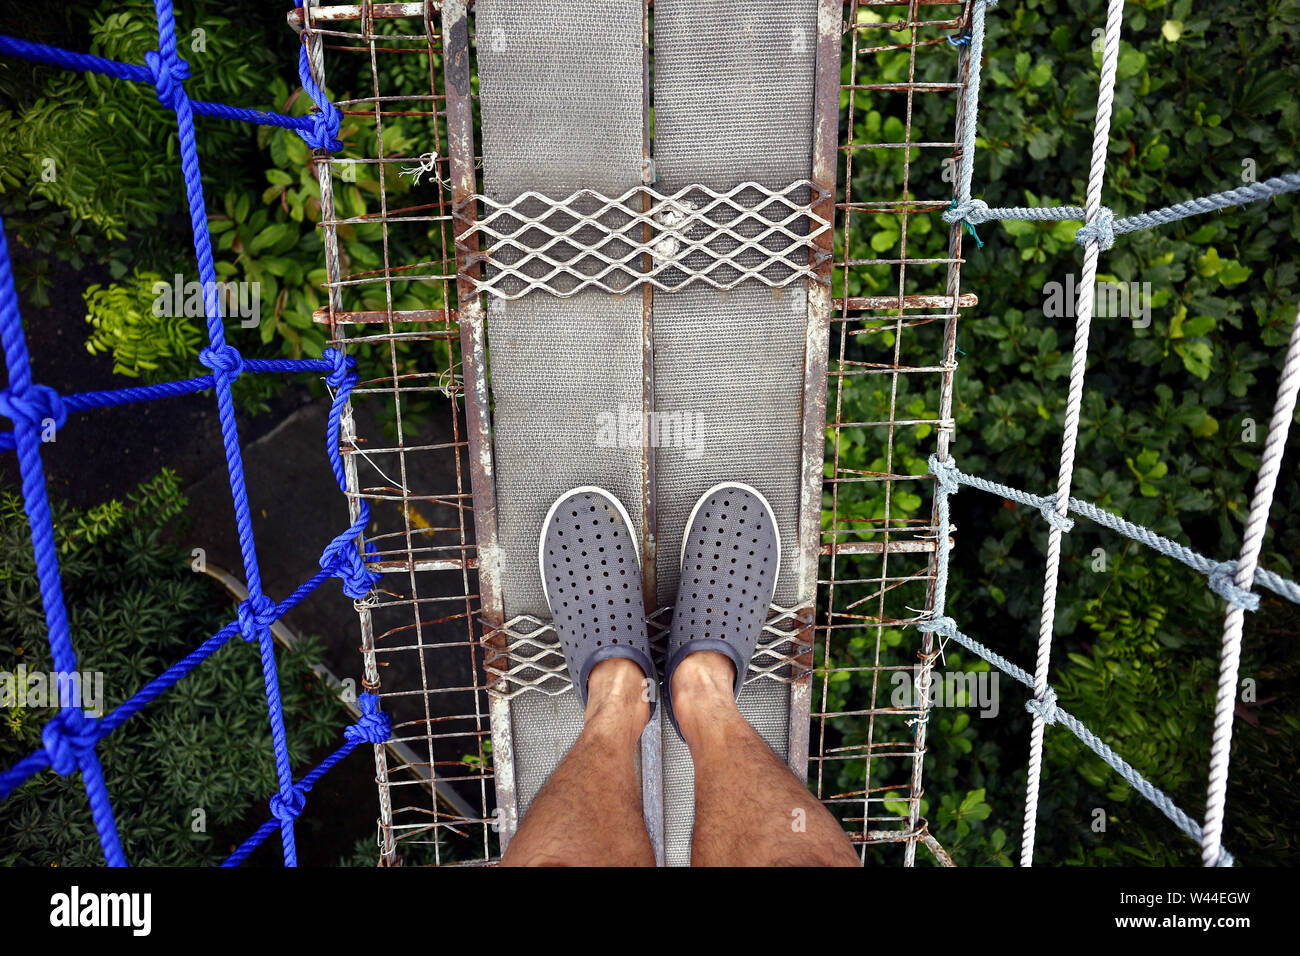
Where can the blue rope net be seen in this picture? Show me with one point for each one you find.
(69, 740)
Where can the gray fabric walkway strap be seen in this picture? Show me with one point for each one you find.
(733, 98)
(561, 98)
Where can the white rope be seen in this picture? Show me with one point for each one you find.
(1079, 360)
(1251, 544)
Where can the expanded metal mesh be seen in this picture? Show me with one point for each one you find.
(892, 350)
(534, 661)
(695, 235)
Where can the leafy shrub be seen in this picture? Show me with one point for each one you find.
(126, 324)
(135, 607)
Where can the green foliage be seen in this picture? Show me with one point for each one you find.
(135, 607)
(112, 146)
(1174, 417)
(116, 194)
(126, 323)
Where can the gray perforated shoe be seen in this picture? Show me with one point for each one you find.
(591, 573)
(731, 555)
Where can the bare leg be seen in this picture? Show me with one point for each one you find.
(750, 810)
(589, 811)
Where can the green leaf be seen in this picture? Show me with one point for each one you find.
(1198, 357)
(883, 241)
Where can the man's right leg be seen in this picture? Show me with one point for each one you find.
(589, 812)
(750, 810)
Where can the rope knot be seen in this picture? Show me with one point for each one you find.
(287, 809)
(973, 212)
(225, 359)
(1048, 508)
(324, 132)
(946, 474)
(67, 738)
(1222, 584)
(944, 626)
(1102, 229)
(342, 559)
(255, 614)
(1044, 708)
(169, 72)
(343, 366)
(34, 405)
(373, 725)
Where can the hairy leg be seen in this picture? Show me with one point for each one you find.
(589, 811)
(750, 810)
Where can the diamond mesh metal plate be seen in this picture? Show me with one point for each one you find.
(694, 235)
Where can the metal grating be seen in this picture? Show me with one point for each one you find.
(586, 240)
(891, 346)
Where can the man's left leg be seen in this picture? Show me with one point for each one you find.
(589, 811)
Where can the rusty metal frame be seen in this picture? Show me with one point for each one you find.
(347, 425)
(318, 27)
(825, 140)
(473, 329)
(856, 318)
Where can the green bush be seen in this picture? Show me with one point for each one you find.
(125, 324)
(116, 197)
(135, 607)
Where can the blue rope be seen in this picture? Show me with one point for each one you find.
(371, 727)
(70, 738)
(171, 72)
(65, 736)
(52, 407)
(313, 128)
(40, 760)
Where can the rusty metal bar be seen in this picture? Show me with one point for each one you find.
(346, 12)
(927, 652)
(825, 140)
(966, 300)
(328, 316)
(877, 547)
(347, 425)
(424, 564)
(460, 146)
